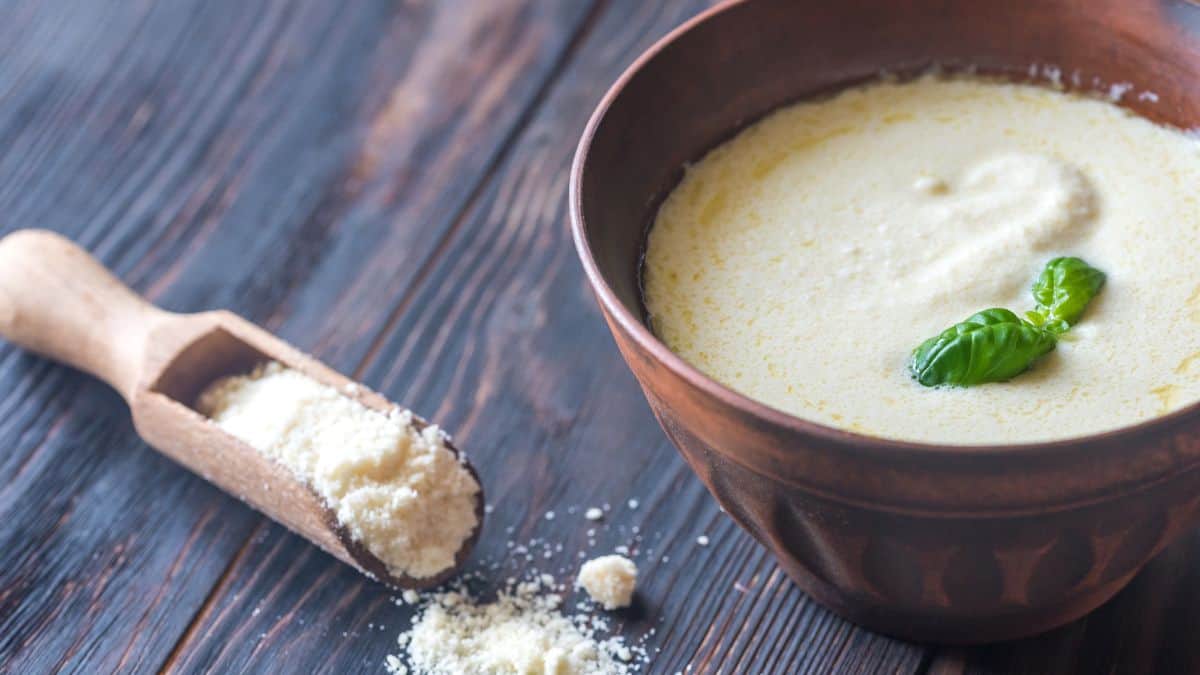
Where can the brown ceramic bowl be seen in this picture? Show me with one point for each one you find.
(938, 543)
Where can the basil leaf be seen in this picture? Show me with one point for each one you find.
(990, 346)
(1039, 319)
(1064, 289)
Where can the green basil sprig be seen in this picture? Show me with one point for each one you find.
(996, 345)
(990, 346)
(1064, 289)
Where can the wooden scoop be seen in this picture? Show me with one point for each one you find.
(58, 301)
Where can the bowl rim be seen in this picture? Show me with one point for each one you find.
(844, 439)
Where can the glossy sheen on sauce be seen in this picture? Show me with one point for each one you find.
(802, 261)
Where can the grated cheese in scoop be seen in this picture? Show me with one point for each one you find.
(397, 490)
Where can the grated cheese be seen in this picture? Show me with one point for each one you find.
(523, 631)
(397, 490)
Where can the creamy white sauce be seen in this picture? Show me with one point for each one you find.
(801, 262)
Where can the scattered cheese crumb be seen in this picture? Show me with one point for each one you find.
(394, 667)
(549, 515)
(609, 580)
(397, 490)
(633, 503)
(593, 514)
(1117, 91)
(702, 540)
(523, 631)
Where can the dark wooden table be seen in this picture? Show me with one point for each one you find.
(383, 184)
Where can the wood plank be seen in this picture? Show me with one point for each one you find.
(182, 142)
(504, 345)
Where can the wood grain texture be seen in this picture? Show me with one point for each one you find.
(383, 184)
(184, 152)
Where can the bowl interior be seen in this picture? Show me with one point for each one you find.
(736, 63)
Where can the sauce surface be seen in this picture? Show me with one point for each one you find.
(802, 261)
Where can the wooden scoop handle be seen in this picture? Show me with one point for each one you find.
(58, 301)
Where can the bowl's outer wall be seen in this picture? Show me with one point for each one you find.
(944, 544)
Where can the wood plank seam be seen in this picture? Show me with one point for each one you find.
(211, 597)
(175, 565)
(480, 186)
(96, 241)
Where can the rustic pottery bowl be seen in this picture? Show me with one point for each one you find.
(937, 543)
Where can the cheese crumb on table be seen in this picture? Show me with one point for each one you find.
(593, 514)
(609, 580)
(523, 631)
(399, 491)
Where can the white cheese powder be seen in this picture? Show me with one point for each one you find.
(398, 491)
(523, 631)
